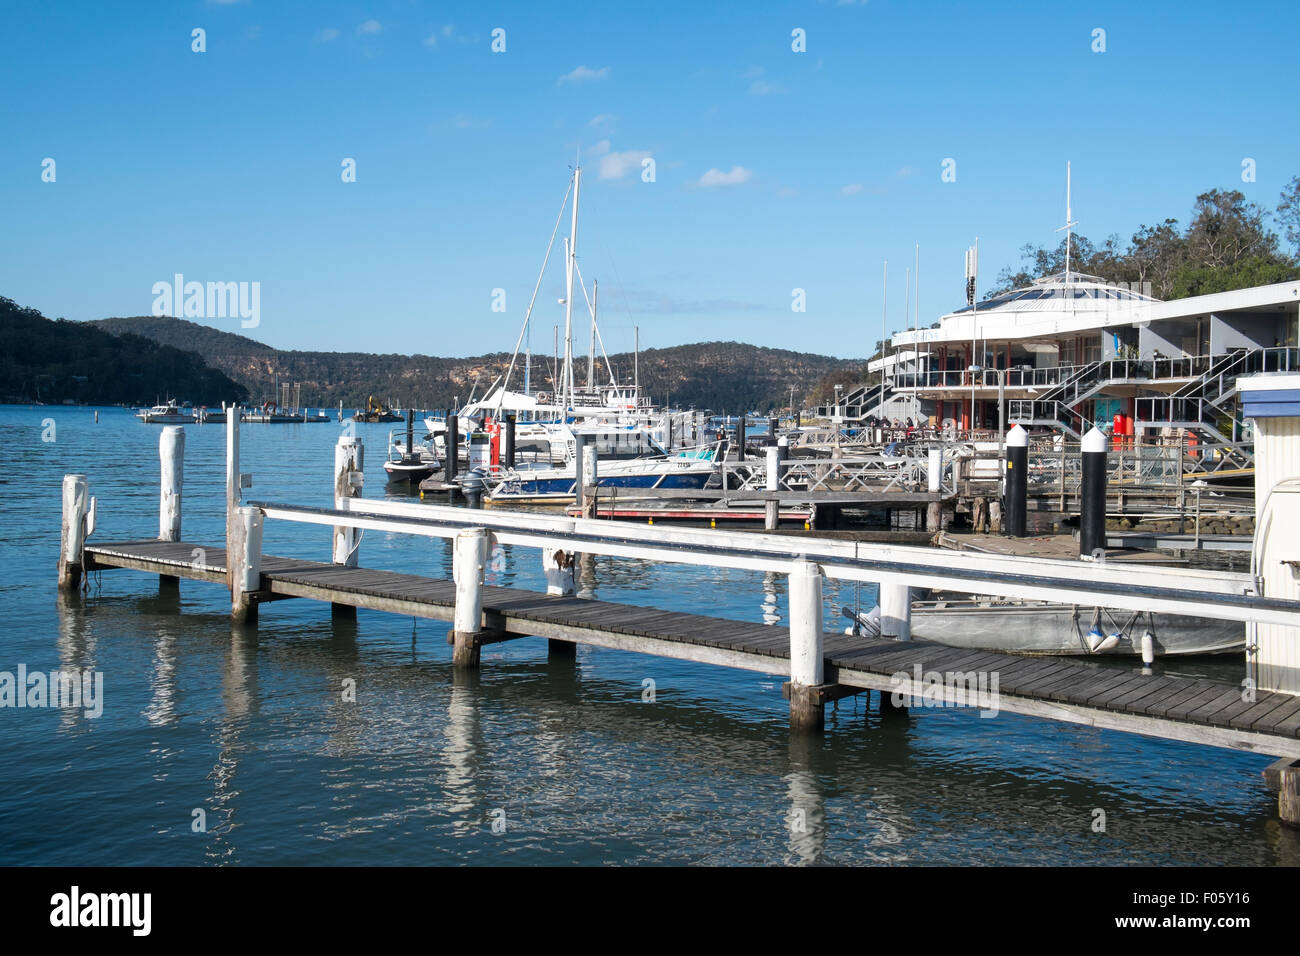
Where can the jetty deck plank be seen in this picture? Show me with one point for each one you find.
(1053, 687)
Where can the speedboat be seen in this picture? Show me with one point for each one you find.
(413, 464)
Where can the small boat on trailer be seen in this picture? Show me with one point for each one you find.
(1048, 629)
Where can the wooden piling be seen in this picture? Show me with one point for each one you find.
(579, 470)
(591, 463)
(73, 535)
(171, 453)
(1092, 494)
(508, 441)
(1017, 480)
(468, 561)
(806, 657)
(772, 508)
(232, 489)
(246, 566)
(895, 611)
(1288, 795)
(451, 443)
(349, 478)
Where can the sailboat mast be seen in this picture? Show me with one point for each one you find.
(572, 251)
(591, 356)
(528, 355)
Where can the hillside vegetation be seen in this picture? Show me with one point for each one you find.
(723, 376)
(52, 361)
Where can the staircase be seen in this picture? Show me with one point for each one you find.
(862, 402)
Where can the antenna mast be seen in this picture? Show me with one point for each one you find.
(1069, 221)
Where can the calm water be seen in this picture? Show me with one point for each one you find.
(250, 728)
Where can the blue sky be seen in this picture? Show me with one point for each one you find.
(225, 165)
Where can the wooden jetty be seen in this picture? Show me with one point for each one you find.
(1178, 708)
(821, 666)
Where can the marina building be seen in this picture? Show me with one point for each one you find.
(1071, 351)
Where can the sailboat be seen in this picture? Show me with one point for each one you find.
(623, 422)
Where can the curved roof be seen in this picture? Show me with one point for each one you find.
(1072, 290)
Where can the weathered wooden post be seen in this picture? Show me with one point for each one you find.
(740, 438)
(171, 452)
(1092, 494)
(771, 507)
(349, 479)
(591, 476)
(806, 659)
(934, 485)
(73, 535)
(468, 561)
(508, 441)
(1288, 796)
(451, 441)
(895, 611)
(579, 471)
(1017, 480)
(246, 566)
(233, 494)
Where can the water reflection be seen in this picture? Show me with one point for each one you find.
(460, 753)
(806, 820)
(76, 649)
(770, 608)
(240, 701)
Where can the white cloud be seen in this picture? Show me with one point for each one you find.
(753, 73)
(737, 175)
(852, 189)
(369, 27)
(582, 74)
(604, 119)
(431, 40)
(618, 165)
(600, 148)
(764, 88)
(329, 33)
(787, 191)
(907, 171)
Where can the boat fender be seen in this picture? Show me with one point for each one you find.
(1109, 644)
(1096, 639)
(1148, 647)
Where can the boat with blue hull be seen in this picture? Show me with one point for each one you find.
(559, 485)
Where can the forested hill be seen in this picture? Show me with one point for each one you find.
(52, 361)
(723, 376)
